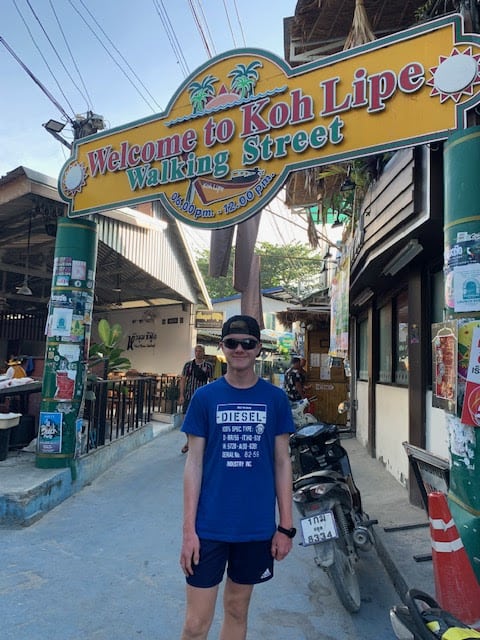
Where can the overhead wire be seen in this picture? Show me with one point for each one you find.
(30, 33)
(36, 80)
(206, 27)
(239, 23)
(229, 23)
(172, 36)
(118, 52)
(200, 29)
(87, 97)
(35, 15)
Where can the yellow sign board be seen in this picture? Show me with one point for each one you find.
(243, 121)
(208, 319)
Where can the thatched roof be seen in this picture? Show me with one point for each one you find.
(324, 27)
(326, 23)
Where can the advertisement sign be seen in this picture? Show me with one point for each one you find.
(244, 120)
(208, 319)
(50, 432)
(471, 402)
(444, 364)
(339, 317)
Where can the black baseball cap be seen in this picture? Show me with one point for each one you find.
(241, 324)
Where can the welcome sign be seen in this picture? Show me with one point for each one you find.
(243, 121)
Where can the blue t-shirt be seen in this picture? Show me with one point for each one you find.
(237, 497)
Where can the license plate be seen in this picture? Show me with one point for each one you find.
(318, 528)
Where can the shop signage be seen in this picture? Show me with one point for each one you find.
(243, 121)
(208, 319)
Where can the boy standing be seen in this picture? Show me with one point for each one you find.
(237, 470)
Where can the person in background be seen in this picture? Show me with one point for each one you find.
(303, 370)
(237, 472)
(15, 369)
(195, 374)
(294, 381)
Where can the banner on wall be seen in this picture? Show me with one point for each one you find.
(245, 119)
(339, 314)
(444, 366)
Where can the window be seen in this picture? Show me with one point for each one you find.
(393, 340)
(385, 346)
(270, 321)
(363, 350)
(401, 341)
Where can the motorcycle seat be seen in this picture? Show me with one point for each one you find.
(318, 476)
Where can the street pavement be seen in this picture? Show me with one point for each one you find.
(104, 563)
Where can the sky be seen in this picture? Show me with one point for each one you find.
(68, 46)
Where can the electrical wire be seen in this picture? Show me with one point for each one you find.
(44, 60)
(239, 23)
(206, 27)
(200, 29)
(229, 23)
(113, 58)
(35, 15)
(86, 97)
(172, 36)
(37, 81)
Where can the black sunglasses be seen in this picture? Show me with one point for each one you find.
(246, 343)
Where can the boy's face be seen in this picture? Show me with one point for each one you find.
(238, 357)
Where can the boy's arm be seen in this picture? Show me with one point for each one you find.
(282, 544)
(192, 481)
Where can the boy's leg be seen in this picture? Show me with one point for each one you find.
(199, 612)
(236, 600)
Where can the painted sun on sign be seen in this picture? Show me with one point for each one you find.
(244, 120)
(455, 75)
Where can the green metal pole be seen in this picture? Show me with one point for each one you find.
(68, 338)
(462, 263)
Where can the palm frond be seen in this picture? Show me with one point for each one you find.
(360, 32)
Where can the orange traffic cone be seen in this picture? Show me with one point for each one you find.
(456, 586)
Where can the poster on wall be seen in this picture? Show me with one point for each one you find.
(471, 401)
(50, 432)
(339, 315)
(466, 287)
(465, 330)
(444, 366)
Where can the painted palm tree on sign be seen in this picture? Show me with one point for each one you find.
(244, 78)
(200, 92)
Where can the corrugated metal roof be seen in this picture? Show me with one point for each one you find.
(153, 266)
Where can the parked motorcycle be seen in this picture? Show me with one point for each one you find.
(421, 618)
(329, 503)
(301, 417)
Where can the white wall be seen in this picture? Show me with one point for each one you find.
(392, 429)
(155, 345)
(437, 432)
(362, 412)
(269, 305)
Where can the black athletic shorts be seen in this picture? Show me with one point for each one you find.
(246, 562)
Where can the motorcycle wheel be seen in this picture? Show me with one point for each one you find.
(345, 580)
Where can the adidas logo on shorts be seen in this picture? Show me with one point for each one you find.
(266, 574)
